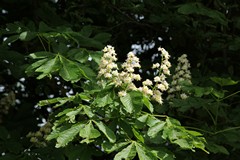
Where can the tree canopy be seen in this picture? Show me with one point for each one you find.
(119, 79)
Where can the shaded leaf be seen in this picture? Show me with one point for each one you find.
(223, 81)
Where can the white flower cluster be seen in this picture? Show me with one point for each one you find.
(182, 75)
(125, 78)
(108, 67)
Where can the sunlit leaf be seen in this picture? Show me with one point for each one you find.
(89, 132)
(127, 153)
(144, 153)
(110, 147)
(155, 129)
(68, 135)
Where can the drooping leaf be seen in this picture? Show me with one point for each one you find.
(148, 104)
(138, 135)
(215, 148)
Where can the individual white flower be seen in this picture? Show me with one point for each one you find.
(122, 93)
(127, 80)
(161, 87)
(157, 96)
(137, 77)
(183, 96)
(156, 65)
(157, 79)
(108, 75)
(164, 53)
(146, 90)
(147, 82)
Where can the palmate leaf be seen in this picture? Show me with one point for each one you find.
(70, 71)
(127, 153)
(49, 63)
(50, 66)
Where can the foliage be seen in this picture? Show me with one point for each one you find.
(50, 57)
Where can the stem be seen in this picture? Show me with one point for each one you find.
(229, 95)
(198, 129)
(210, 116)
(228, 129)
(39, 37)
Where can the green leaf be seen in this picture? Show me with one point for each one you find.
(127, 103)
(217, 93)
(86, 31)
(127, 153)
(89, 132)
(48, 67)
(183, 143)
(132, 102)
(215, 148)
(138, 135)
(224, 81)
(102, 37)
(88, 111)
(27, 36)
(163, 153)
(40, 55)
(106, 131)
(103, 101)
(148, 104)
(44, 28)
(72, 114)
(155, 129)
(198, 8)
(70, 70)
(68, 135)
(11, 39)
(110, 147)
(59, 101)
(144, 153)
